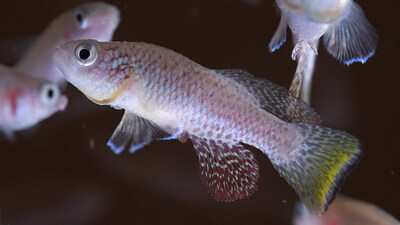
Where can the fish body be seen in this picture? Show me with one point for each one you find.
(25, 100)
(166, 96)
(345, 211)
(347, 34)
(95, 20)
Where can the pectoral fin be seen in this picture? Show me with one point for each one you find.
(229, 171)
(280, 34)
(136, 132)
(353, 38)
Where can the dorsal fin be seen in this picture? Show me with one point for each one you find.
(228, 170)
(137, 132)
(273, 98)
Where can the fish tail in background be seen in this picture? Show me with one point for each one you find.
(353, 38)
(308, 72)
(317, 169)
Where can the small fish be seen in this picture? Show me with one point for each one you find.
(90, 20)
(167, 96)
(347, 34)
(345, 211)
(25, 100)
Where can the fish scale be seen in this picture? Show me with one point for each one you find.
(168, 96)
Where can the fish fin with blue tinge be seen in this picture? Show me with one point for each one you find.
(136, 132)
(353, 38)
(272, 97)
(280, 34)
(227, 170)
(317, 168)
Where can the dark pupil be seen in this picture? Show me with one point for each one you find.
(79, 18)
(84, 54)
(50, 93)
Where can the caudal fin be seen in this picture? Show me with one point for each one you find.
(317, 169)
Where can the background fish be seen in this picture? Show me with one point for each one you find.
(347, 34)
(345, 211)
(25, 101)
(166, 96)
(90, 20)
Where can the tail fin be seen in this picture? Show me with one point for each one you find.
(319, 167)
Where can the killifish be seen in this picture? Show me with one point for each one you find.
(168, 96)
(90, 20)
(347, 34)
(345, 211)
(25, 100)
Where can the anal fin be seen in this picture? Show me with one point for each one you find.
(353, 38)
(228, 170)
(137, 132)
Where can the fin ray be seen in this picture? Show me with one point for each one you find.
(317, 170)
(227, 170)
(353, 38)
(137, 132)
(273, 98)
(280, 34)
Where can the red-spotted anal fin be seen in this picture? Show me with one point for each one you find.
(273, 98)
(317, 168)
(353, 38)
(136, 132)
(229, 171)
(280, 34)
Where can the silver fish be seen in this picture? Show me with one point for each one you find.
(95, 20)
(25, 100)
(347, 34)
(168, 96)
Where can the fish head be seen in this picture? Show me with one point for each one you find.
(325, 11)
(47, 99)
(96, 20)
(88, 66)
(34, 102)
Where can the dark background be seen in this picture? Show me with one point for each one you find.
(61, 172)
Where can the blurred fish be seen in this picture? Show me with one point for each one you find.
(90, 20)
(345, 211)
(25, 101)
(167, 96)
(347, 34)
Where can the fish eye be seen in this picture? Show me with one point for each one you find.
(81, 17)
(49, 94)
(86, 54)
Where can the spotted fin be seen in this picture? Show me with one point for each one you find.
(137, 132)
(280, 34)
(272, 97)
(317, 169)
(353, 38)
(229, 171)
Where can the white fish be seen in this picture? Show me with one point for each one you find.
(25, 100)
(166, 96)
(347, 34)
(90, 20)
